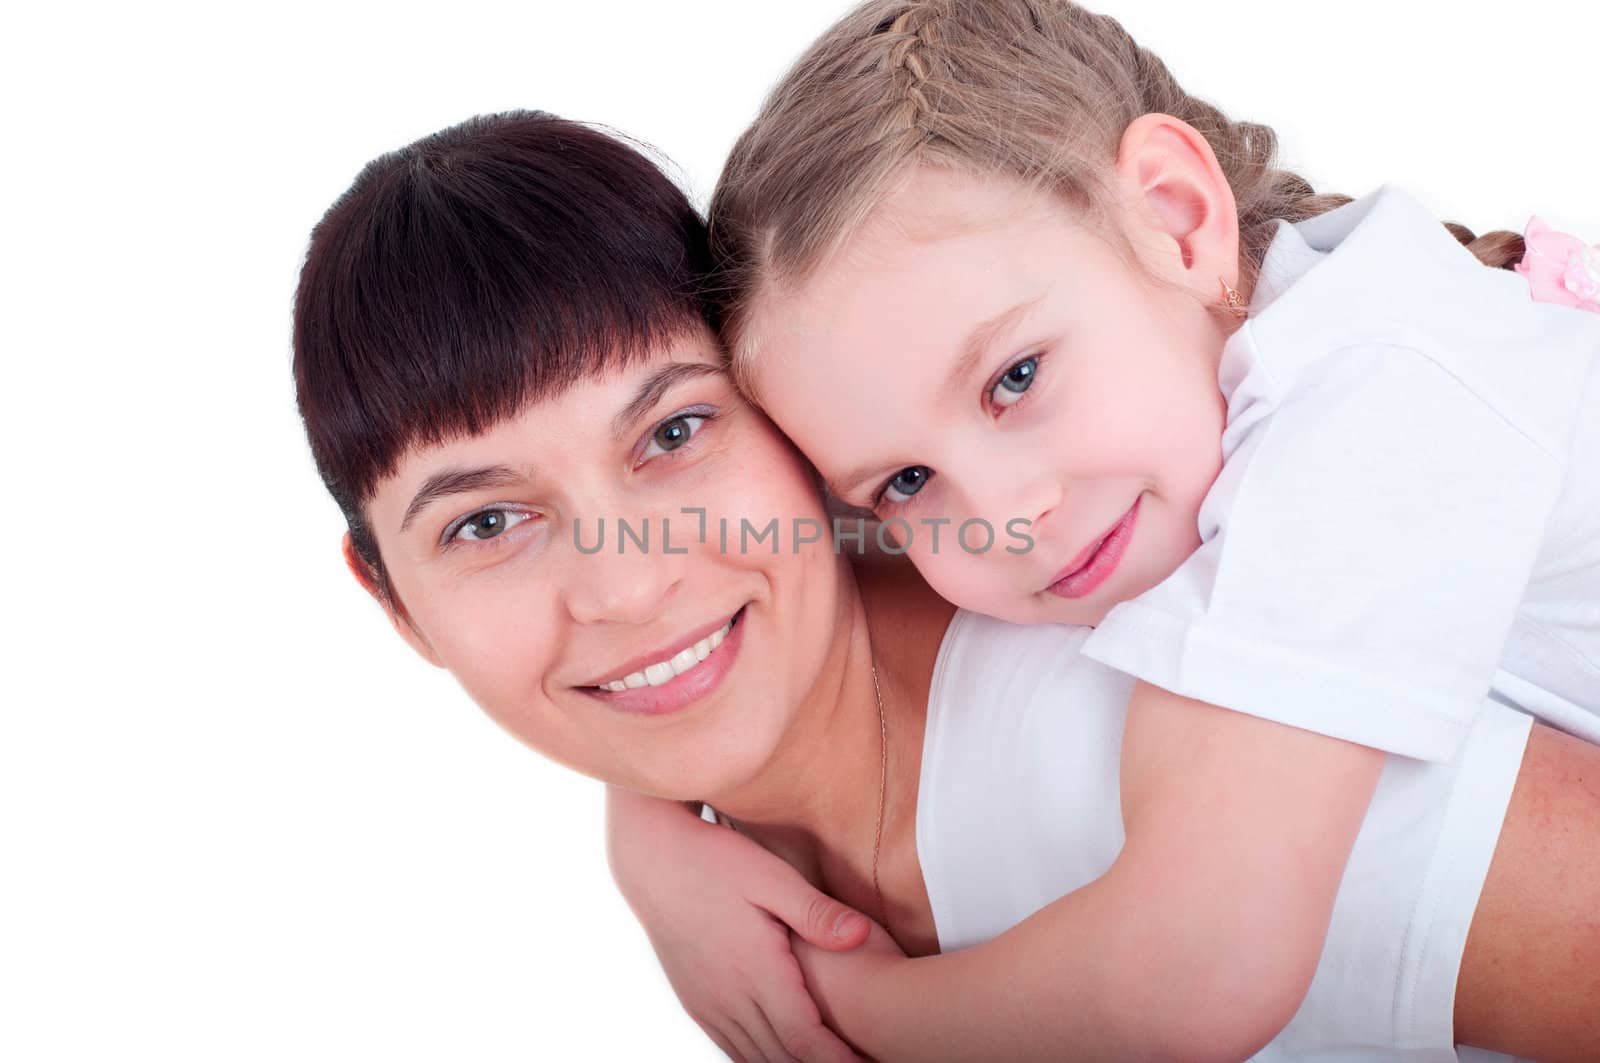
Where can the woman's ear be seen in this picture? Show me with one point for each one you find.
(362, 571)
(1181, 208)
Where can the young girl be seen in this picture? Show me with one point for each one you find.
(988, 263)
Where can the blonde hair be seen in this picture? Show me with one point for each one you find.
(1039, 90)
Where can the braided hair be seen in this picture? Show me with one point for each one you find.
(1038, 90)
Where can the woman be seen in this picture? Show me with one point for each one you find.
(511, 388)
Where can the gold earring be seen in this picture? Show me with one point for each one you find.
(1233, 299)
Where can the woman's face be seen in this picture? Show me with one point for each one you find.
(659, 661)
(973, 353)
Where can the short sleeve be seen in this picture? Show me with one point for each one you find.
(1365, 550)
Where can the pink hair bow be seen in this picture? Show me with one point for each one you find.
(1560, 268)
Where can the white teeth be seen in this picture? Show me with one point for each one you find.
(663, 671)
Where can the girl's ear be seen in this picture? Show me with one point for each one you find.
(362, 571)
(1182, 210)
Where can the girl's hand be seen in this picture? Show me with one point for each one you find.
(718, 910)
(835, 975)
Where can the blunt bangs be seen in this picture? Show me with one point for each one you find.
(481, 269)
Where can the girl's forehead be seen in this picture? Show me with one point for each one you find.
(944, 253)
(941, 227)
(915, 265)
(932, 203)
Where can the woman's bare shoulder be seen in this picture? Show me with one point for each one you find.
(1530, 976)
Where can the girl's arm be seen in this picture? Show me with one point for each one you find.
(1199, 942)
(718, 909)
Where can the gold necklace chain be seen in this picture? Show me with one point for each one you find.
(883, 793)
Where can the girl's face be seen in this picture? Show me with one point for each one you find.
(712, 649)
(973, 353)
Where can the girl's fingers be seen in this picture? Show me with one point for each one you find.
(766, 1038)
(745, 1049)
(798, 1028)
(810, 913)
(721, 1042)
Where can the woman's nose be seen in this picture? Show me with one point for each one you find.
(618, 574)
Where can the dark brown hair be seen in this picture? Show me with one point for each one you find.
(480, 269)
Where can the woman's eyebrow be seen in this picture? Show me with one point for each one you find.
(656, 385)
(455, 482)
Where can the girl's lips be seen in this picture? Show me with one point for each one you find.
(682, 690)
(1090, 572)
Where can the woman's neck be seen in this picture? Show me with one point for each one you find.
(818, 803)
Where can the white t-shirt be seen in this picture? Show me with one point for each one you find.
(1019, 804)
(1409, 509)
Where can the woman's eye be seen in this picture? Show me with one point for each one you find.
(1014, 381)
(906, 483)
(672, 434)
(488, 523)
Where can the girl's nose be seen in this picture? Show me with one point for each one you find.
(1024, 489)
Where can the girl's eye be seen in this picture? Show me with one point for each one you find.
(1008, 390)
(673, 433)
(487, 524)
(906, 483)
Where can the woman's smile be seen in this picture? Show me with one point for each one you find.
(672, 679)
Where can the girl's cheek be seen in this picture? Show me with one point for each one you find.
(959, 578)
(928, 561)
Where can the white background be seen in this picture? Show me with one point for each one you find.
(238, 821)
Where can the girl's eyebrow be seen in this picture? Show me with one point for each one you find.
(846, 486)
(448, 482)
(979, 339)
(656, 385)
